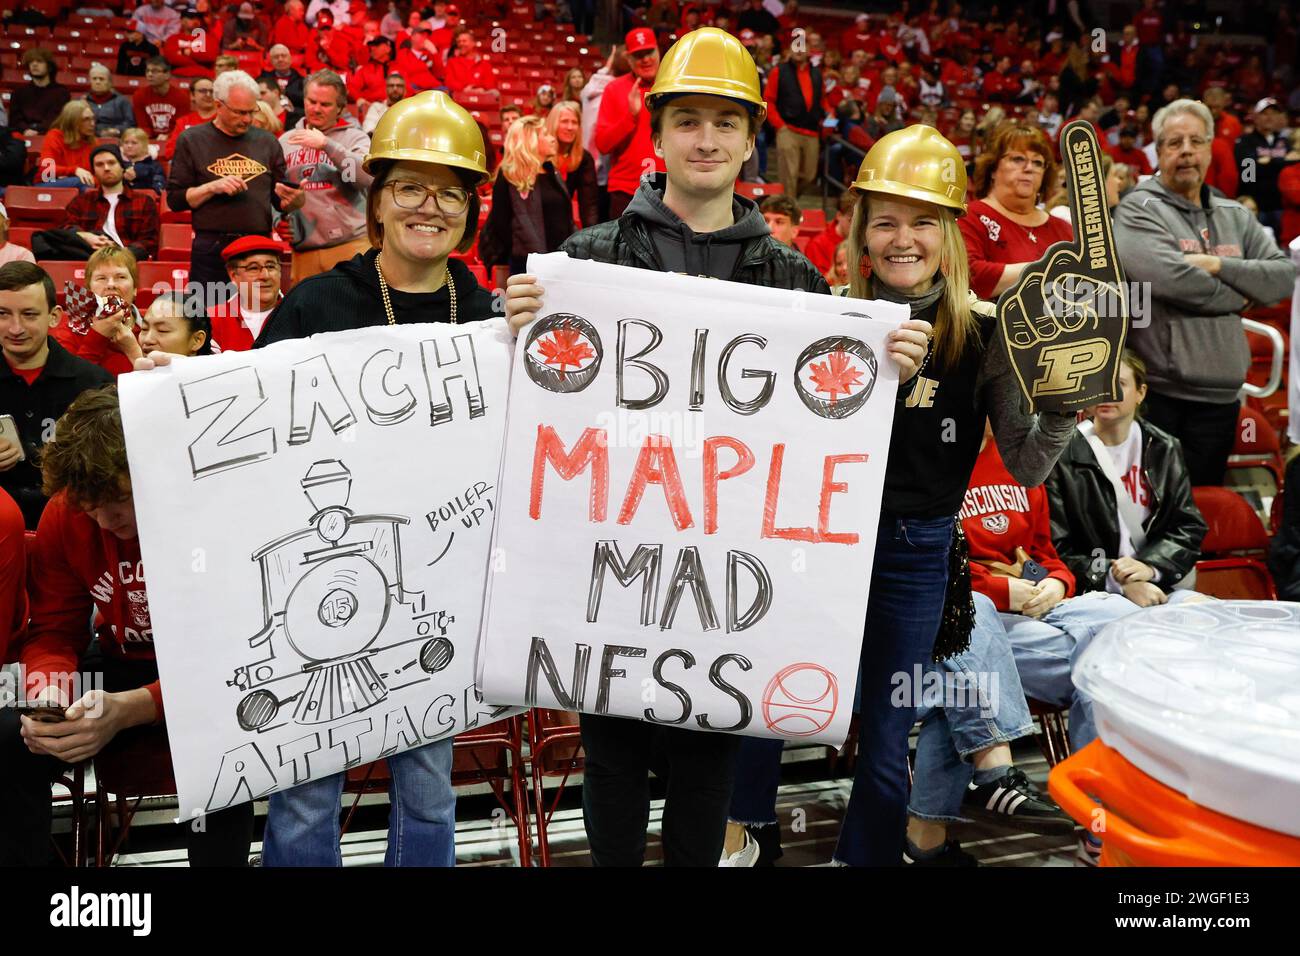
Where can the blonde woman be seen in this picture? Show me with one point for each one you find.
(574, 81)
(905, 247)
(266, 119)
(65, 156)
(575, 165)
(532, 210)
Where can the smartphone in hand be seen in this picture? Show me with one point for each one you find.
(47, 712)
(1032, 571)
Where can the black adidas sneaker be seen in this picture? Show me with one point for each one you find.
(952, 855)
(1013, 801)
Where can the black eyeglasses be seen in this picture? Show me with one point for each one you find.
(451, 200)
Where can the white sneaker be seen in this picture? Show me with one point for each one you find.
(747, 855)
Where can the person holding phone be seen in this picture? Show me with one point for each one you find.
(1024, 611)
(86, 561)
(39, 378)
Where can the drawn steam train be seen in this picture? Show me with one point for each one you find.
(338, 624)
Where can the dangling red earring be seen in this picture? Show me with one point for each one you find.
(864, 266)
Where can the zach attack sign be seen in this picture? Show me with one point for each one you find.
(690, 494)
(315, 519)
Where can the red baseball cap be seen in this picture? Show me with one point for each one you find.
(640, 39)
(247, 245)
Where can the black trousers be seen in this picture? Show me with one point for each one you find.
(1207, 431)
(208, 276)
(699, 768)
(223, 838)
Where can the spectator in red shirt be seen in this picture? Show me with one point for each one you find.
(65, 155)
(782, 215)
(203, 108)
(860, 36)
(253, 263)
(420, 62)
(110, 342)
(1223, 173)
(1000, 84)
(192, 51)
(159, 104)
(1126, 151)
(291, 27)
(958, 76)
(623, 123)
(1226, 125)
(369, 84)
(1150, 25)
(13, 577)
(821, 248)
(467, 69)
(1004, 229)
(86, 559)
(796, 107)
(330, 49)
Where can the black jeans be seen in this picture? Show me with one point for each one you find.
(699, 768)
(1206, 430)
(25, 816)
(208, 275)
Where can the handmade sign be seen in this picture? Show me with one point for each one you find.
(690, 495)
(1066, 320)
(315, 518)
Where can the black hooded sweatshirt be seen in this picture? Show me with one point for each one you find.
(348, 297)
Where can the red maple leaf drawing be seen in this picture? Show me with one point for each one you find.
(563, 347)
(836, 376)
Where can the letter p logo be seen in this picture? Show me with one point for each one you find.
(1064, 366)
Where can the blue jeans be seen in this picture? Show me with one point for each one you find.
(302, 824)
(758, 775)
(983, 704)
(908, 582)
(1046, 650)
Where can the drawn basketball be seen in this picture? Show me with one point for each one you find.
(801, 700)
(834, 376)
(562, 352)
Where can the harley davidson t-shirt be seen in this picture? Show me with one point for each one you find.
(204, 153)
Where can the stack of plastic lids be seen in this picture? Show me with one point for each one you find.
(1205, 698)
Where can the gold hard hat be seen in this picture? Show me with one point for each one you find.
(713, 62)
(917, 162)
(429, 127)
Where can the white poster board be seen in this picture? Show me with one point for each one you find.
(316, 518)
(690, 495)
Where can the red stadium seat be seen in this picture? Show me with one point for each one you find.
(174, 241)
(140, 766)
(40, 206)
(1258, 446)
(1234, 528)
(167, 214)
(22, 235)
(756, 191)
(159, 277)
(1232, 564)
(63, 272)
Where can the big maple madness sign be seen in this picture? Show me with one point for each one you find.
(689, 500)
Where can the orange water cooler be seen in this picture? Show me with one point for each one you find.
(1198, 713)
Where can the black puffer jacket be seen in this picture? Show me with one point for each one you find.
(631, 241)
(1085, 517)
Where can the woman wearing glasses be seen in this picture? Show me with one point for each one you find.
(1005, 230)
(427, 158)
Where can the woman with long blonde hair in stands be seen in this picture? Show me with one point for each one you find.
(905, 246)
(532, 210)
(576, 165)
(65, 154)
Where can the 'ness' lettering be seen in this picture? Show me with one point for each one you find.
(76, 909)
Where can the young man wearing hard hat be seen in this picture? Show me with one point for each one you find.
(705, 108)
